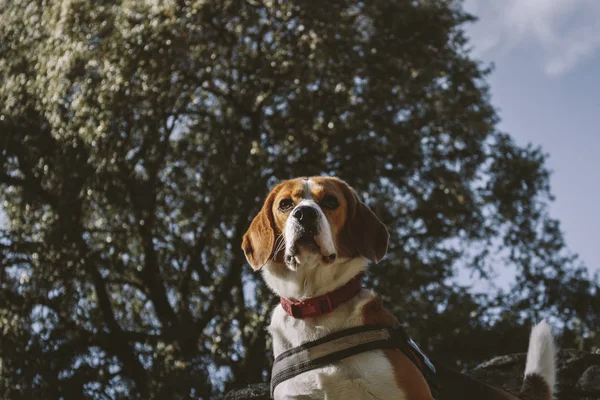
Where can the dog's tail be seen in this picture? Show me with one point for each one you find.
(540, 369)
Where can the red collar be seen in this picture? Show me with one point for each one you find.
(323, 304)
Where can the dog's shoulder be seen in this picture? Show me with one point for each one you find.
(373, 312)
(407, 375)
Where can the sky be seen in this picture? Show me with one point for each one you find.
(546, 87)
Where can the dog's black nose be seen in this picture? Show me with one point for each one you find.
(305, 215)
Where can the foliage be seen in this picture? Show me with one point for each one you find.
(137, 139)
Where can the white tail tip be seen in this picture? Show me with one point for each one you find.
(541, 354)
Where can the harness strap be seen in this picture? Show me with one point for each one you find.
(344, 344)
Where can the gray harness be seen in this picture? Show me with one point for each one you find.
(346, 343)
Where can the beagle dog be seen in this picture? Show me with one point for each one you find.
(312, 239)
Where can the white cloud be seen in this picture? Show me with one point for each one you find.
(565, 32)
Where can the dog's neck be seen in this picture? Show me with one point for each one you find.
(310, 281)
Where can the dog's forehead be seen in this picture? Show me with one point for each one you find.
(311, 188)
(321, 185)
(293, 188)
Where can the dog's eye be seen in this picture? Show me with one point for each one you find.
(330, 202)
(286, 205)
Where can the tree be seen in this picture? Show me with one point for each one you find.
(139, 139)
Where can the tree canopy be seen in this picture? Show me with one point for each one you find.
(139, 138)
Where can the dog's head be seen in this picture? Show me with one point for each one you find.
(313, 222)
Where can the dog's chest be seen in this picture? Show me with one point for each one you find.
(367, 375)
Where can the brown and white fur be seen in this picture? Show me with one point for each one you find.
(300, 260)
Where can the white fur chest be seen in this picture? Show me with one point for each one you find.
(367, 375)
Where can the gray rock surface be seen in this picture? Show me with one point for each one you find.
(256, 391)
(578, 376)
(590, 380)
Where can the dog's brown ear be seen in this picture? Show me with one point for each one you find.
(366, 233)
(258, 241)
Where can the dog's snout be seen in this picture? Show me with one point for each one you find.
(305, 215)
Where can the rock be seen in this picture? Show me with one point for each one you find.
(255, 391)
(578, 376)
(590, 380)
(503, 371)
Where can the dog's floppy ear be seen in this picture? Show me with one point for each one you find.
(366, 233)
(258, 241)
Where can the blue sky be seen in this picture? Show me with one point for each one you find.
(546, 87)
